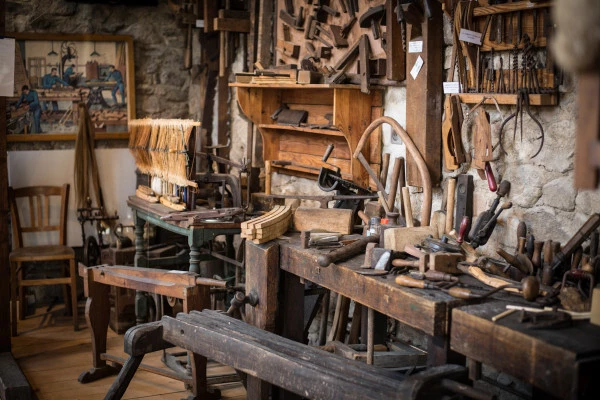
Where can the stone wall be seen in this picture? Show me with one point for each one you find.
(162, 88)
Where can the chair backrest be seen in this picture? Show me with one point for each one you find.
(34, 204)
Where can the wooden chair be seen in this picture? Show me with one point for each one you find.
(30, 210)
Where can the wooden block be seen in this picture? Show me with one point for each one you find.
(309, 77)
(397, 238)
(329, 219)
(232, 25)
(288, 48)
(13, 384)
(445, 262)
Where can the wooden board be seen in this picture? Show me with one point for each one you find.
(268, 226)
(561, 362)
(587, 161)
(329, 219)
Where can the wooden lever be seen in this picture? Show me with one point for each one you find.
(347, 251)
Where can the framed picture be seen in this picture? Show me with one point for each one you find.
(54, 73)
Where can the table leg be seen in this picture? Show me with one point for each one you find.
(439, 353)
(141, 302)
(97, 313)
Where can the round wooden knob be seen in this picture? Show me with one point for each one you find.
(531, 288)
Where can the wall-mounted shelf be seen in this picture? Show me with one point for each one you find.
(509, 99)
(350, 110)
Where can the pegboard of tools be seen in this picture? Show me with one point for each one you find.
(501, 49)
(342, 41)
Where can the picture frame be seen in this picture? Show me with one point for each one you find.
(60, 71)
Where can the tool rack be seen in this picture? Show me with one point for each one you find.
(508, 14)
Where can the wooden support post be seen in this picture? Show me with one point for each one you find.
(587, 144)
(424, 97)
(4, 250)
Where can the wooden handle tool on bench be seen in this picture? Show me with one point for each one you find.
(347, 251)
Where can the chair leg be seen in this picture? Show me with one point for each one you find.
(13, 297)
(74, 293)
(119, 386)
(21, 289)
(66, 293)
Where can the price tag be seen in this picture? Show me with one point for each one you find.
(451, 87)
(415, 46)
(470, 36)
(414, 72)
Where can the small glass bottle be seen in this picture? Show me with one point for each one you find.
(374, 226)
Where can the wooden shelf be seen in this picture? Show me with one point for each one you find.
(509, 99)
(295, 86)
(351, 110)
(305, 129)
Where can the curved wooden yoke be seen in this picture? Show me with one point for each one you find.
(412, 149)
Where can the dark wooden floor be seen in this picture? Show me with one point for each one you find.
(52, 356)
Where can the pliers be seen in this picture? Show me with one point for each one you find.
(522, 105)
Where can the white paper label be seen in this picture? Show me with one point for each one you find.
(451, 87)
(470, 36)
(7, 67)
(414, 72)
(199, 23)
(415, 46)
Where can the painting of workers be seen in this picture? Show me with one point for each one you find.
(55, 73)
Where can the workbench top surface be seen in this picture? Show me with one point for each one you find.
(427, 310)
(158, 210)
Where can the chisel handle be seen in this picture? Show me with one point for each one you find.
(407, 281)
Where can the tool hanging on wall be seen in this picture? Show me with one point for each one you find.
(451, 134)
(522, 107)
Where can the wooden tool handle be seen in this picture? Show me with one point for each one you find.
(407, 207)
(398, 163)
(521, 247)
(385, 163)
(489, 174)
(521, 230)
(460, 293)
(361, 214)
(548, 252)
(536, 259)
(267, 177)
(407, 281)
(345, 252)
(464, 225)
(580, 236)
(405, 263)
(210, 282)
(450, 204)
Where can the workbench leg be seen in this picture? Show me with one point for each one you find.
(97, 313)
(262, 278)
(292, 318)
(198, 298)
(141, 302)
(439, 353)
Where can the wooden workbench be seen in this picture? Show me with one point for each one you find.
(559, 362)
(556, 362)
